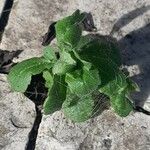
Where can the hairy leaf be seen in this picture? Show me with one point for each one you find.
(118, 91)
(117, 85)
(97, 51)
(132, 86)
(49, 53)
(20, 75)
(81, 82)
(84, 40)
(105, 57)
(77, 108)
(72, 36)
(56, 95)
(121, 105)
(48, 78)
(65, 64)
(68, 29)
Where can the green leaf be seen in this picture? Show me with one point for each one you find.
(49, 53)
(115, 86)
(81, 82)
(84, 40)
(20, 75)
(56, 95)
(68, 29)
(132, 86)
(65, 64)
(98, 51)
(72, 36)
(104, 55)
(78, 109)
(121, 105)
(118, 91)
(48, 78)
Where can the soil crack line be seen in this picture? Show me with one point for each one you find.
(34, 131)
(4, 17)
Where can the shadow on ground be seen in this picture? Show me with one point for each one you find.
(135, 49)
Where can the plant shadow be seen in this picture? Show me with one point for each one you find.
(135, 50)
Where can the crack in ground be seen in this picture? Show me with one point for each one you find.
(37, 93)
(37, 98)
(4, 17)
(34, 131)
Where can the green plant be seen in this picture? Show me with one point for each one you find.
(87, 65)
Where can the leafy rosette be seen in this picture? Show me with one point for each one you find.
(87, 64)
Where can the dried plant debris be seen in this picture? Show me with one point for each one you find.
(50, 35)
(6, 60)
(88, 23)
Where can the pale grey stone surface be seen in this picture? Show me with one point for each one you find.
(106, 132)
(1, 6)
(16, 117)
(29, 20)
(16, 111)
